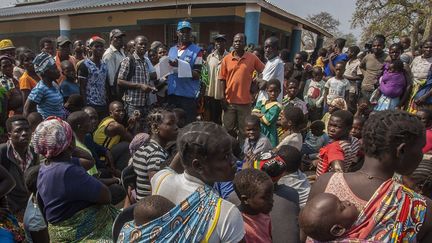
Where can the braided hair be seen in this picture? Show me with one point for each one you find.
(155, 118)
(198, 140)
(385, 130)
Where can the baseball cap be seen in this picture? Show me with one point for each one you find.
(184, 24)
(271, 163)
(95, 39)
(61, 40)
(6, 44)
(219, 36)
(116, 33)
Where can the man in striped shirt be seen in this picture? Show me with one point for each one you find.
(343, 152)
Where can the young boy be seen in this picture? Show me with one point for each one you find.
(69, 86)
(291, 98)
(254, 188)
(343, 152)
(315, 139)
(325, 217)
(293, 176)
(357, 127)
(268, 111)
(255, 142)
(313, 94)
(353, 74)
(338, 86)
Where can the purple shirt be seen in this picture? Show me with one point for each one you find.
(66, 188)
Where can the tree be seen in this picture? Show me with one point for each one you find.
(394, 18)
(351, 40)
(325, 21)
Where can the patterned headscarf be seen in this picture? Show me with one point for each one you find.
(52, 137)
(43, 62)
(137, 142)
(339, 103)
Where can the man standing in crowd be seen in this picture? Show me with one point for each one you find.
(183, 92)
(47, 45)
(274, 68)
(64, 52)
(113, 56)
(215, 92)
(236, 77)
(92, 77)
(372, 66)
(135, 76)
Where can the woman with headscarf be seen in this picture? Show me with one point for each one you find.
(336, 104)
(46, 96)
(75, 204)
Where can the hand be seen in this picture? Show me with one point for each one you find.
(148, 88)
(332, 56)
(173, 63)
(257, 114)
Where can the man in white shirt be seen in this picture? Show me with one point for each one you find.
(274, 68)
(113, 56)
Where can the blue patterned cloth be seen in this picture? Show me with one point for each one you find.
(185, 223)
(96, 80)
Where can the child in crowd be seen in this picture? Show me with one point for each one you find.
(268, 111)
(357, 127)
(337, 86)
(363, 108)
(254, 188)
(255, 142)
(292, 120)
(291, 98)
(29, 79)
(392, 85)
(151, 158)
(335, 105)
(35, 227)
(321, 60)
(353, 74)
(326, 218)
(313, 94)
(343, 152)
(425, 116)
(69, 86)
(315, 139)
(150, 208)
(180, 116)
(294, 177)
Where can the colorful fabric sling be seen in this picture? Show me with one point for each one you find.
(188, 222)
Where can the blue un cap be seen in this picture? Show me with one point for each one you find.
(183, 24)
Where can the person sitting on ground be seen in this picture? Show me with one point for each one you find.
(206, 155)
(292, 119)
(315, 139)
(180, 116)
(425, 116)
(46, 96)
(268, 111)
(69, 85)
(76, 205)
(343, 151)
(151, 157)
(29, 79)
(145, 211)
(254, 188)
(74, 103)
(10, 230)
(34, 119)
(390, 212)
(255, 141)
(35, 227)
(293, 177)
(326, 218)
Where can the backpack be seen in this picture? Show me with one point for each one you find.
(119, 90)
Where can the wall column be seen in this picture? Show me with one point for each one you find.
(65, 25)
(252, 23)
(296, 40)
(319, 41)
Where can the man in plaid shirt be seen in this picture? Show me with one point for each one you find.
(137, 89)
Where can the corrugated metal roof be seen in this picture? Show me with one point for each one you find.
(63, 5)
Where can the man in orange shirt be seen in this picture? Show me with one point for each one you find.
(236, 77)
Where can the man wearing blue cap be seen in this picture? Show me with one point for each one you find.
(183, 92)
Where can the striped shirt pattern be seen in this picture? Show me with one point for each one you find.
(149, 157)
(48, 99)
(344, 150)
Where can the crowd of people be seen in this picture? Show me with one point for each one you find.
(249, 147)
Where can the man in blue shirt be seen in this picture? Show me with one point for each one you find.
(335, 57)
